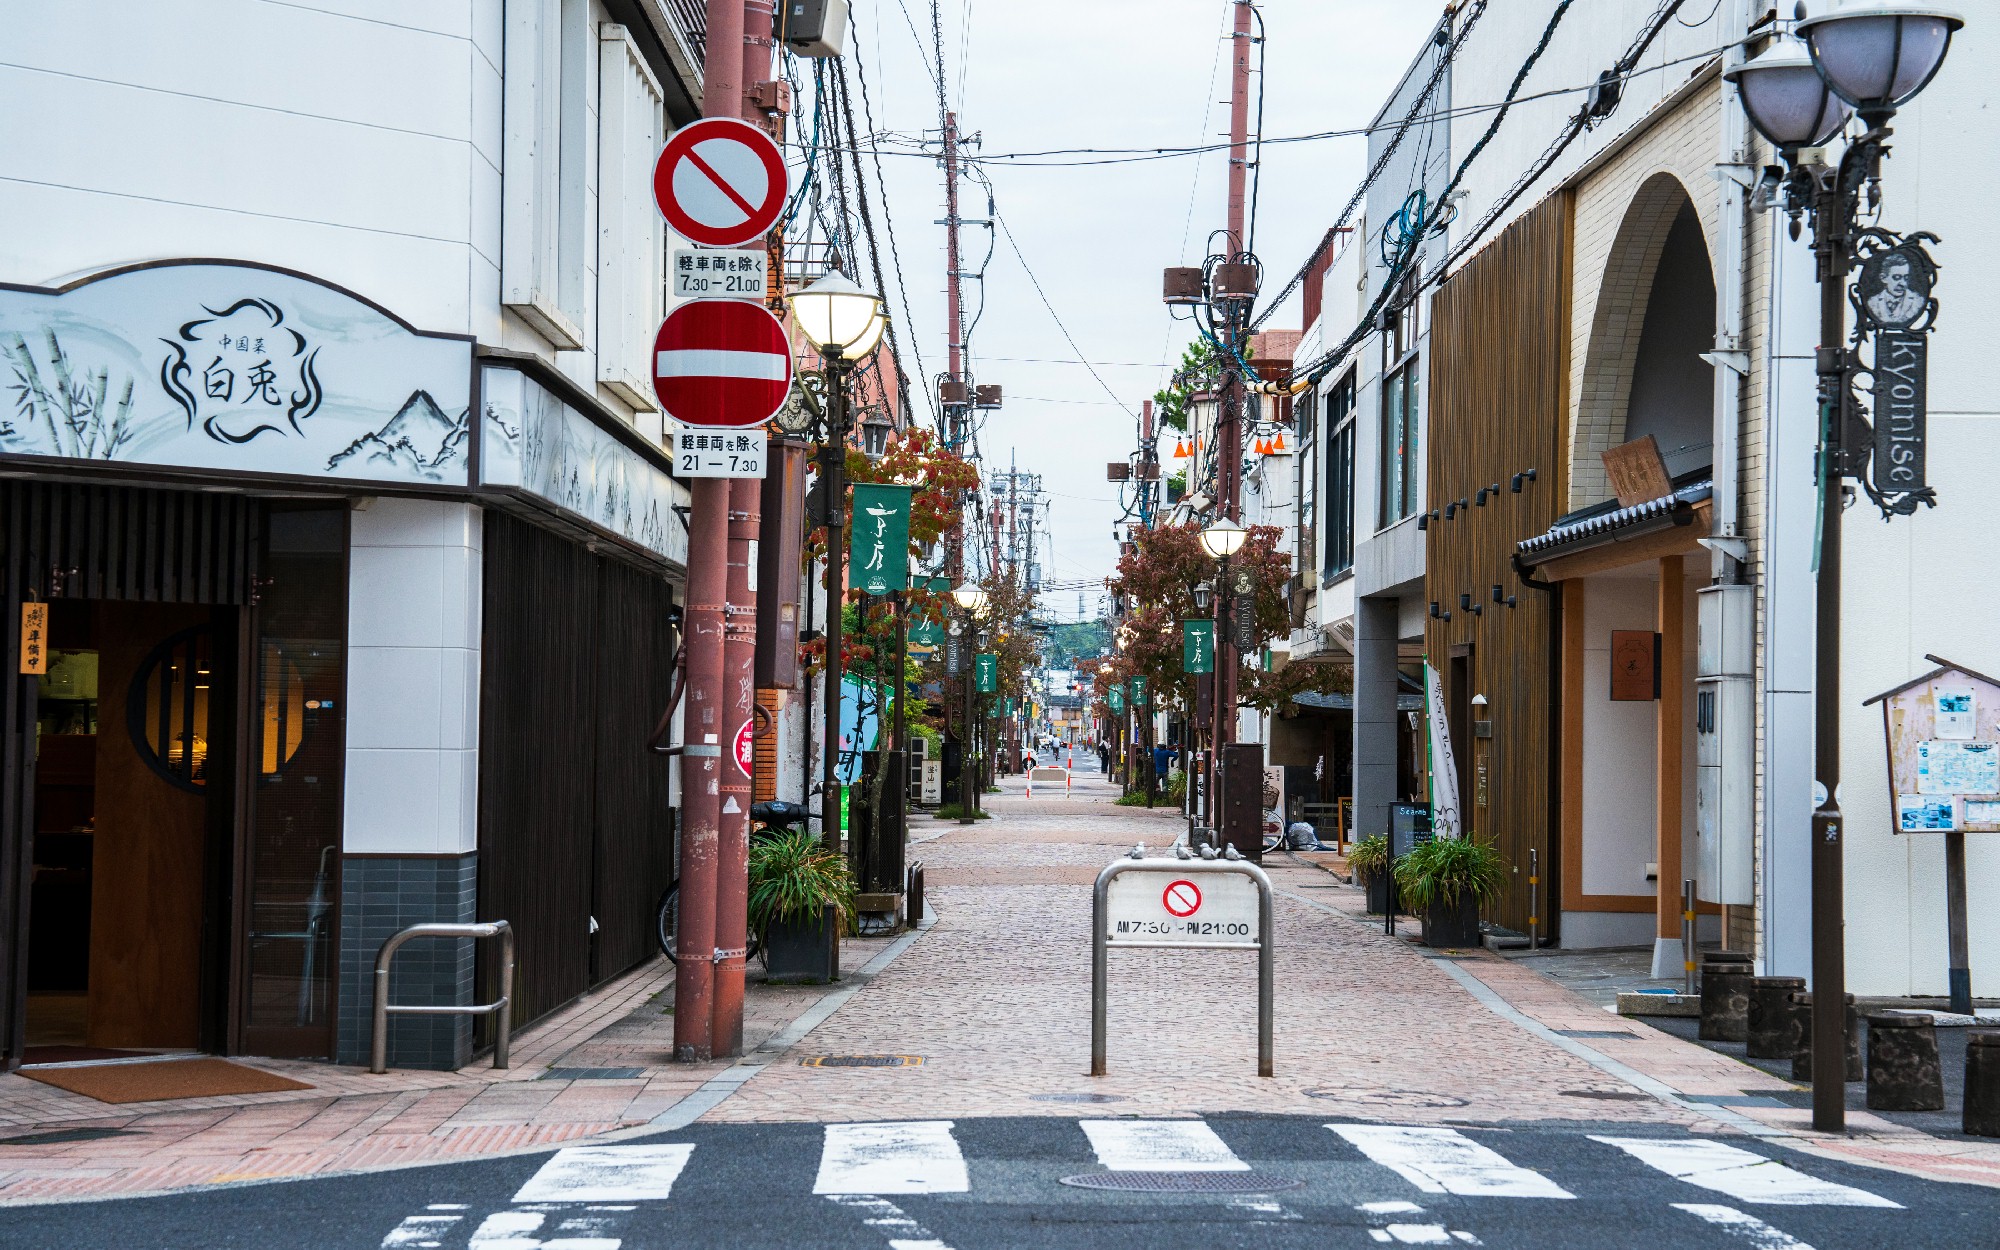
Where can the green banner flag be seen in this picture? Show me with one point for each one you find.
(1198, 646)
(986, 667)
(880, 549)
(1116, 697)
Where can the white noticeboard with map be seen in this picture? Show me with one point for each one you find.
(1943, 737)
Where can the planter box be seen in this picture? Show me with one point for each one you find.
(801, 952)
(1377, 885)
(1452, 924)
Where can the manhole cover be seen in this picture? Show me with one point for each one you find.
(1078, 1097)
(1387, 1097)
(592, 1074)
(1183, 1182)
(1609, 1095)
(60, 1136)
(862, 1061)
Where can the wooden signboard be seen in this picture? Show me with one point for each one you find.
(1635, 666)
(34, 638)
(1638, 472)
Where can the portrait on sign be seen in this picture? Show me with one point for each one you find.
(1894, 288)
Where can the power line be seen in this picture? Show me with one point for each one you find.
(1053, 315)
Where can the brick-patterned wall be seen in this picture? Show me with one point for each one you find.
(1623, 212)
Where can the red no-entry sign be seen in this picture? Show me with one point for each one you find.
(721, 362)
(720, 182)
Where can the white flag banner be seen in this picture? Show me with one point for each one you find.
(1443, 769)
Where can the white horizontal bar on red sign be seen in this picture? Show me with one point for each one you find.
(716, 363)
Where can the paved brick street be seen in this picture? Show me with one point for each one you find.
(994, 998)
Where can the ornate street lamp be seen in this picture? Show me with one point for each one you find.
(1877, 57)
(1873, 57)
(1224, 538)
(844, 323)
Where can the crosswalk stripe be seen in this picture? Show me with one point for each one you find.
(608, 1174)
(1743, 1175)
(1744, 1225)
(418, 1231)
(1160, 1146)
(908, 1157)
(1445, 1161)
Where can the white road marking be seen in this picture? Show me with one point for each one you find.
(908, 1157)
(883, 1214)
(419, 1231)
(1445, 1161)
(1744, 1225)
(608, 1174)
(508, 1230)
(1160, 1146)
(1744, 1176)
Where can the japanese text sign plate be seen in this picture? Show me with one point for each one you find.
(715, 453)
(719, 275)
(720, 182)
(721, 363)
(1165, 906)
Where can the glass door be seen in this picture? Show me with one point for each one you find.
(288, 965)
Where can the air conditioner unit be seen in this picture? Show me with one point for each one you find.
(812, 27)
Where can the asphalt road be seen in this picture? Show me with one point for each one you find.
(973, 1184)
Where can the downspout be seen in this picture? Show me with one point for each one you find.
(1735, 176)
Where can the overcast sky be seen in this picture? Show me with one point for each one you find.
(1027, 75)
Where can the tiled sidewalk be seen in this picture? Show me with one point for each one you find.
(351, 1120)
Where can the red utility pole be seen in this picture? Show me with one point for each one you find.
(739, 663)
(707, 717)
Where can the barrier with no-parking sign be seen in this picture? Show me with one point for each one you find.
(1169, 902)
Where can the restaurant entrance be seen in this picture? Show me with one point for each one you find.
(170, 786)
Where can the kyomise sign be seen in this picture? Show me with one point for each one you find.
(1893, 302)
(879, 547)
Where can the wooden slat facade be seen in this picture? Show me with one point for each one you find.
(573, 810)
(1499, 398)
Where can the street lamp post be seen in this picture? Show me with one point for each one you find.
(1870, 58)
(971, 598)
(845, 323)
(1222, 539)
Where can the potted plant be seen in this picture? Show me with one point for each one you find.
(1369, 861)
(1444, 881)
(801, 901)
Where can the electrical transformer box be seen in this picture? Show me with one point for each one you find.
(813, 27)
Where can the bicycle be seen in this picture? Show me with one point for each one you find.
(769, 820)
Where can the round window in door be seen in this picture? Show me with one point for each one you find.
(168, 711)
(168, 708)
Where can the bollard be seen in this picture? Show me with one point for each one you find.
(1774, 1028)
(1903, 1069)
(1982, 1082)
(1725, 996)
(1802, 1062)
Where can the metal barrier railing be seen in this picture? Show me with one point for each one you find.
(378, 1056)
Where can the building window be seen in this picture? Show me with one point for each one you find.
(1402, 412)
(631, 121)
(1340, 477)
(545, 103)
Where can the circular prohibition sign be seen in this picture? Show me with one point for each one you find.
(1182, 898)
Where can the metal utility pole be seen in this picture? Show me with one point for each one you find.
(708, 713)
